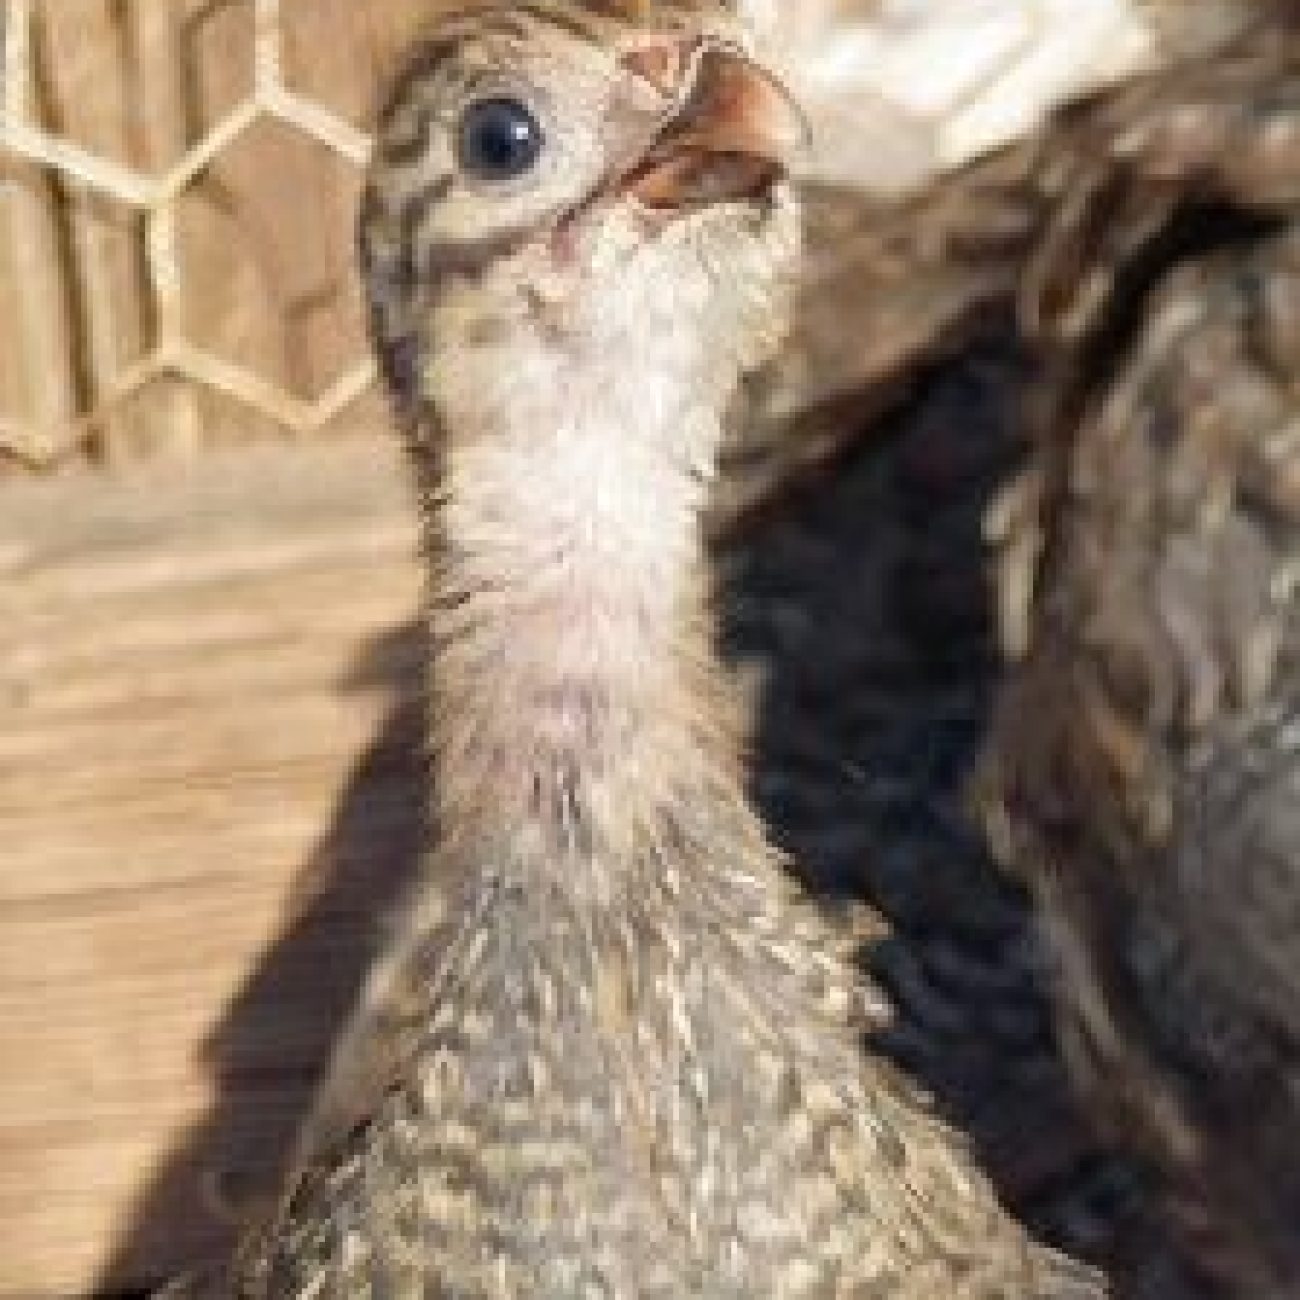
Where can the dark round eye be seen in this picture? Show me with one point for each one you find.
(499, 139)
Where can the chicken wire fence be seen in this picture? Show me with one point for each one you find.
(101, 305)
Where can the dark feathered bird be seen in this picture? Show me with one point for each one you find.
(1144, 770)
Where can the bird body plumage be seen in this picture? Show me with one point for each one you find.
(1143, 772)
(611, 1052)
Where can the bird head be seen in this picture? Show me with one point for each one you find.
(559, 190)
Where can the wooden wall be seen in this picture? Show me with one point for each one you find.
(188, 670)
(209, 793)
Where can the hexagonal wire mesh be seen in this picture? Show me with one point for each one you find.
(154, 199)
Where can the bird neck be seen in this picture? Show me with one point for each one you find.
(575, 693)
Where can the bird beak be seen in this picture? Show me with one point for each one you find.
(735, 132)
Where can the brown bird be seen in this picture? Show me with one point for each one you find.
(1144, 769)
(611, 1052)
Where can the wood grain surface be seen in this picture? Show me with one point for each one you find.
(207, 791)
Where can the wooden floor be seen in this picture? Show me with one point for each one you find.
(207, 792)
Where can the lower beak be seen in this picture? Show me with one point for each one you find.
(735, 135)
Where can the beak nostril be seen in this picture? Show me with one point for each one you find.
(662, 63)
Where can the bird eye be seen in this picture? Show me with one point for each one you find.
(499, 139)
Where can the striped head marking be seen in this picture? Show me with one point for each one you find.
(574, 175)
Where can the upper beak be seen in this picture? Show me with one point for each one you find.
(734, 133)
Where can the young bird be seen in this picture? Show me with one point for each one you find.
(611, 1051)
(1144, 772)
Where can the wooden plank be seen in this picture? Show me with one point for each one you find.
(208, 786)
(37, 387)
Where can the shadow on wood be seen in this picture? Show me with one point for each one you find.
(265, 1055)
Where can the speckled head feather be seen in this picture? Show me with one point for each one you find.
(603, 82)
